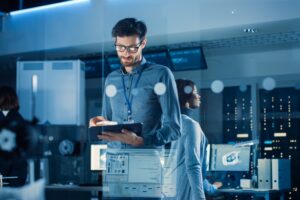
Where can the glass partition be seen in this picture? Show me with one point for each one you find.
(205, 72)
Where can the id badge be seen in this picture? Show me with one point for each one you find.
(129, 121)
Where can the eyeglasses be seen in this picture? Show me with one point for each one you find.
(129, 49)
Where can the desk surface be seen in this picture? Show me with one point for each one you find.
(76, 188)
(252, 190)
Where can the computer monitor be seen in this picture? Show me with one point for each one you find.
(98, 157)
(95, 67)
(159, 57)
(207, 161)
(139, 173)
(226, 157)
(188, 59)
(114, 63)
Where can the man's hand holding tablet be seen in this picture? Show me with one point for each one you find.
(112, 131)
(100, 121)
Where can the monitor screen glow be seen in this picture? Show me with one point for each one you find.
(114, 63)
(159, 57)
(225, 157)
(98, 157)
(95, 68)
(188, 59)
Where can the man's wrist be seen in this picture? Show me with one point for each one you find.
(138, 141)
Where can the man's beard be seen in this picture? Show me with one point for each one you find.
(133, 61)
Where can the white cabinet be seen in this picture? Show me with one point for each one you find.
(59, 97)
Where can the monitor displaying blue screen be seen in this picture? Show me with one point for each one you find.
(158, 57)
(95, 68)
(188, 59)
(225, 157)
(114, 63)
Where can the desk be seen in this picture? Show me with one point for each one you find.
(254, 191)
(76, 188)
(74, 192)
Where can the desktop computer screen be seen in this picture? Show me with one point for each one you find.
(225, 157)
(139, 173)
(98, 157)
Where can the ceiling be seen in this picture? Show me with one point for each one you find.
(274, 34)
(7, 6)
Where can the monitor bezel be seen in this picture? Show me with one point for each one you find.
(222, 145)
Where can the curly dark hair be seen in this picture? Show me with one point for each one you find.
(8, 98)
(129, 27)
(183, 95)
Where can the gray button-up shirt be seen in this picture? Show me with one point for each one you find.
(159, 113)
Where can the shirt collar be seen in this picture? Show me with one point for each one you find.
(186, 111)
(136, 69)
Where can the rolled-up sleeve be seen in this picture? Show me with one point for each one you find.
(209, 188)
(171, 123)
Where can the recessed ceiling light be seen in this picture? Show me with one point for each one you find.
(45, 7)
(250, 30)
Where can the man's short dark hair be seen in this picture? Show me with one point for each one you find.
(129, 27)
(183, 95)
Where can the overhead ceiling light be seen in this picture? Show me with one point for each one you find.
(250, 30)
(51, 6)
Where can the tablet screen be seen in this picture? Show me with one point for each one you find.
(97, 130)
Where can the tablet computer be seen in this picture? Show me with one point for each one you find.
(97, 130)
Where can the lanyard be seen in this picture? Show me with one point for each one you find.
(129, 98)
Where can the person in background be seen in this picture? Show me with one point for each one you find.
(191, 148)
(12, 162)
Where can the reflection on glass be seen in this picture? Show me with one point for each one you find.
(111, 90)
(217, 86)
(140, 173)
(269, 83)
(160, 88)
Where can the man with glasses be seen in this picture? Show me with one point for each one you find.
(139, 91)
